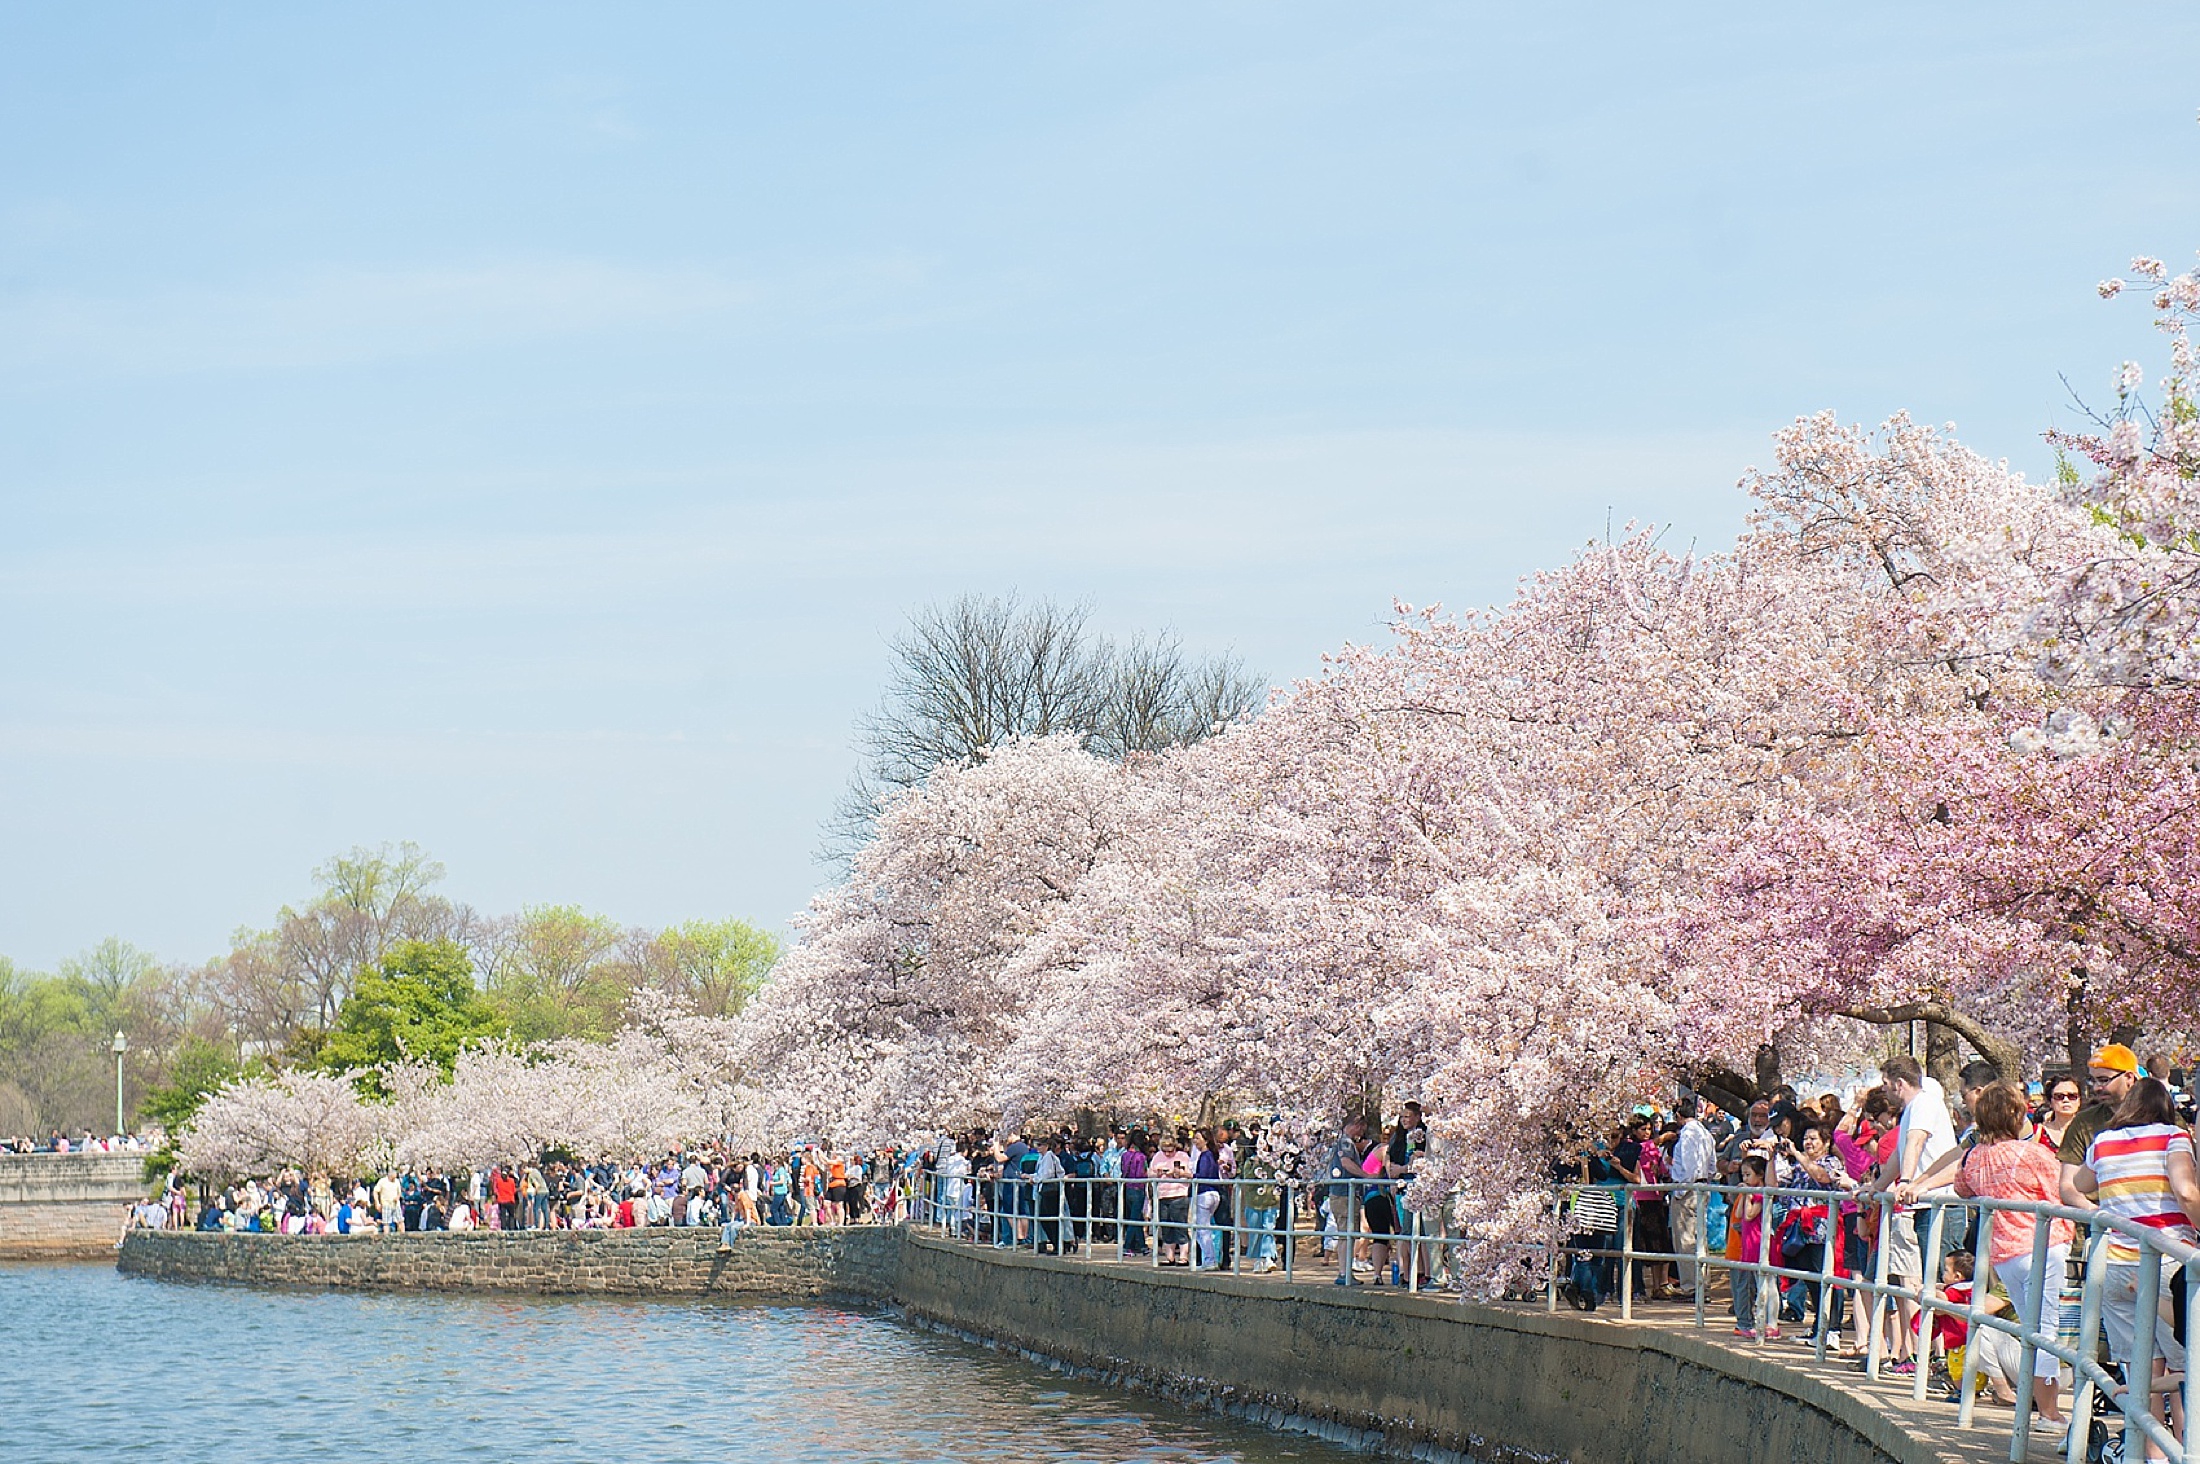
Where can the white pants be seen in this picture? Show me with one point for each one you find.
(1204, 1231)
(2017, 1280)
(1686, 1208)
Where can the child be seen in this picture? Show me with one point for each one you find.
(1993, 1353)
(1748, 1220)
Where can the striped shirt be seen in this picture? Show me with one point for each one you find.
(2131, 1171)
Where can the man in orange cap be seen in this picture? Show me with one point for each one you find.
(2112, 1073)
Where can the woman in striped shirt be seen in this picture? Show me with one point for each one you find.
(2140, 1169)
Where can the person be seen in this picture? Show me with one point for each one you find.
(1047, 1173)
(1695, 1161)
(2139, 1168)
(1642, 1160)
(1757, 1124)
(1171, 1168)
(1748, 1219)
(389, 1201)
(1810, 1226)
(2064, 1095)
(1341, 1168)
(1263, 1200)
(1206, 1201)
(2110, 1076)
(1379, 1207)
(1926, 1132)
(1136, 1154)
(504, 1185)
(2006, 1164)
(1994, 1354)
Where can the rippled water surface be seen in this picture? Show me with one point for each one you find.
(94, 1365)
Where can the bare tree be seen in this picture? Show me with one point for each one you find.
(978, 671)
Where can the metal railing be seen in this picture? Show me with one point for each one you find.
(2137, 1403)
(1128, 1220)
(1132, 1219)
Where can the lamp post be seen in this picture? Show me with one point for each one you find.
(122, 1045)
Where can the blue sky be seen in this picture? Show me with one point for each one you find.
(518, 428)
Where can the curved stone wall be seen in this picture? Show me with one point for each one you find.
(1418, 1375)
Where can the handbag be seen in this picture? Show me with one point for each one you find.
(1594, 1212)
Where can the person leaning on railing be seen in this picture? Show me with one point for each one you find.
(2008, 1164)
(2139, 1168)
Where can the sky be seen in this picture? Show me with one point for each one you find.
(520, 428)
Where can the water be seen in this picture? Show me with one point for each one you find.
(94, 1365)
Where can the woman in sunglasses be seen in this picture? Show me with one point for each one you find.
(2065, 1095)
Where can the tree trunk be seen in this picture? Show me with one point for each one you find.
(2007, 1059)
(1768, 1069)
(1943, 1058)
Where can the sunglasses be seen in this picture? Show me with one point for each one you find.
(2064, 1097)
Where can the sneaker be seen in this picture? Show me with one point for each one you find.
(1772, 1334)
(1901, 1369)
(1748, 1333)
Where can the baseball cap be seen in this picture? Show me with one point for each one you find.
(2117, 1058)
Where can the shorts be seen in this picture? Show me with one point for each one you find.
(836, 1194)
(1379, 1216)
(1904, 1260)
(2120, 1316)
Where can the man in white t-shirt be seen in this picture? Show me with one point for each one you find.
(1926, 1132)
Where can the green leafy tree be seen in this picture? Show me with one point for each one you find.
(557, 975)
(197, 1070)
(419, 1004)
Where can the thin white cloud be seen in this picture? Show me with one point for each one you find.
(336, 316)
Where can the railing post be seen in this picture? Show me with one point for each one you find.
(1973, 1315)
(1236, 1192)
(1627, 1256)
(2020, 1437)
(2089, 1346)
(1877, 1346)
(1413, 1258)
(1768, 1285)
(1290, 1235)
(1703, 1253)
(1829, 1253)
(1350, 1241)
(1558, 1253)
(2192, 1391)
(1921, 1351)
(2139, 1382)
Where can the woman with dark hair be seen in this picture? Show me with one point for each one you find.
(2006, 1165)
(2065, 1096)
(2140, 1169)
(1379, 1210)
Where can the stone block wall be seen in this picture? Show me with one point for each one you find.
(782, 1264)
(61, 1206)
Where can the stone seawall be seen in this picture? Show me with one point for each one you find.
(1412, 1374)
(1415, 1374)
(66, 1206)
(862, 1263)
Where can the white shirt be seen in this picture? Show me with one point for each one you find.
(1695, 1157)
(1927, 1113)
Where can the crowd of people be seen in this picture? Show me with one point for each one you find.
(86, 1142)
(1203, 1197)
(809, 1184)
(2115, 1137)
